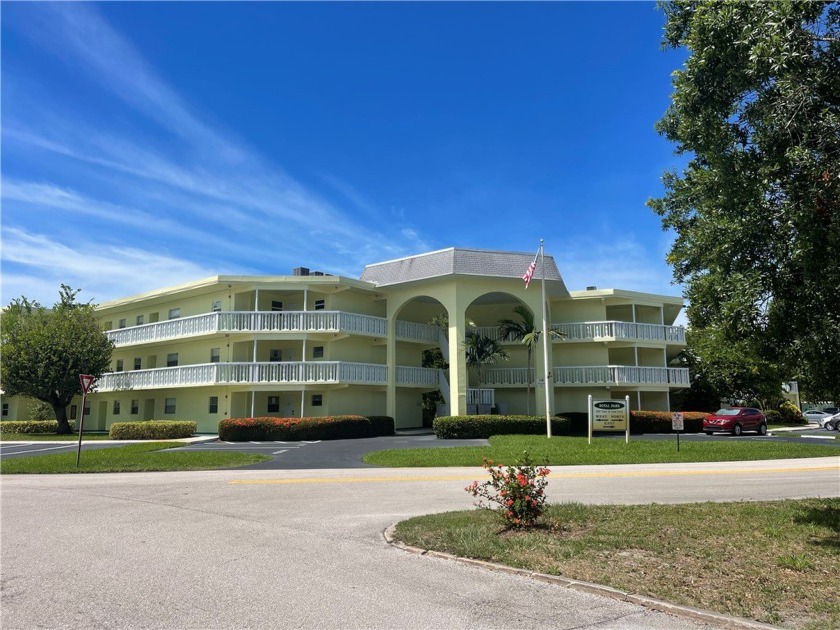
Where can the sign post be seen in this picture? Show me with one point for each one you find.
(677, 425)
(87, 382)
(627, 411)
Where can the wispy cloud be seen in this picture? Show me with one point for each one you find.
(35, 265)
(190, 181)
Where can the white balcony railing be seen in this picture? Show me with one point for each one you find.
(288, 372)
(482, 397)
(592, 375)
(270, 321)
(597, 331)
(630, 331)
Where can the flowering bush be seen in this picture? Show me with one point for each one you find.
(516, 492)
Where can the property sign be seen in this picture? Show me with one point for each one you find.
(609, 415)
(677, 422)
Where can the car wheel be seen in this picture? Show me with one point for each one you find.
(736, 430)
(709, 432)
(828, 426)
(762, 429)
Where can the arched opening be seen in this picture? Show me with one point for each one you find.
(422, 361)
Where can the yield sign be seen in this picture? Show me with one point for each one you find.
(87, 381)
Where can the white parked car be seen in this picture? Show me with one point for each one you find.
(816, 416)
(832, 423)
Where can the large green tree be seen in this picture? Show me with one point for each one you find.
(45, 350)
(756, 210)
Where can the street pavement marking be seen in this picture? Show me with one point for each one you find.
(554, 475)
(35, 450)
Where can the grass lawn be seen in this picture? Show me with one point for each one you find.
(568, 451)
(50, 437)
(774, 561)
(150, 456)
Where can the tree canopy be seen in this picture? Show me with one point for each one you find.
(45, 350)
(756, 211)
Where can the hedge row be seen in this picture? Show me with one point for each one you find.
(660, 421)
(482, 427)
(294, 429)
(152, 430)
(32, 426)
(572, 423)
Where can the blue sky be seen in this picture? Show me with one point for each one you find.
(147, 144)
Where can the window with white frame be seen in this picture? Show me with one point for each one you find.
(116, 407)
(119, 367)
(86, 410)
(275, 354)
(215, 355)
(122, 323)
(135, 407)
(318, 352)
(320, 305)
(172, 359)
(216, 306)
(276, 305)
(317, 400)
(140, 320)
(169, 406)
(213, 406)
(174, 313)
(273, 404)
(138, 363)
(5, 410)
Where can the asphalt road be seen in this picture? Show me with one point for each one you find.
(304, 548)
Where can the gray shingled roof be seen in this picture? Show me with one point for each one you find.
(454, 261)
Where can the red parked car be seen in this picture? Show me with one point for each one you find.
(736, 420)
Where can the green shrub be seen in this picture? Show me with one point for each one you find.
(773, 416)
(32, 426)
(790, 414)
(482, 427)
(152, 430)
(660, 421)
(295, 429)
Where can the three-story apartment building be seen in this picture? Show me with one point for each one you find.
(312, 344)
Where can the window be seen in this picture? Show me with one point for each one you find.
(5, 409)
(116, 407)
(169, 406)
(273, 404)
(275, 355)
(119, 365)
(174, 313)
(317, 400)
(215, 354)
(216, 306)
(318, 352)
(140, 320)
(172, 359)
(122, 323)
(138, 363)
(73, 412)
(135, 407)
(213, 407)
(86, 410)
(276, 305)
(319, 305)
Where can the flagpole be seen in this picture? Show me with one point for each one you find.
(546, 381)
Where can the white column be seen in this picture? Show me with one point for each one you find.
(634, 312)
(254, 332)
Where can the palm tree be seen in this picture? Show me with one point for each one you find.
(482, 350)
(525, 331)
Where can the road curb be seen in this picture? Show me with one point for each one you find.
(697, 614)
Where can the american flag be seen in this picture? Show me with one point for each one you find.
(530, 273)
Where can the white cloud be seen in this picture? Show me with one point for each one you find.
(35, 265)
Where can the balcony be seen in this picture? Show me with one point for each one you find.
(603, 331)
(273, 322)
(286, 373)
(620, 331)
(605, 375)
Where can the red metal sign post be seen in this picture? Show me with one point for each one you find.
(87, 382)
